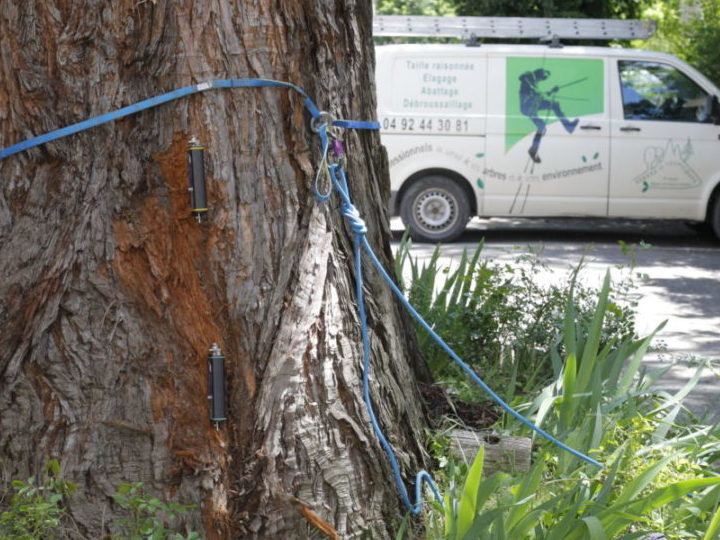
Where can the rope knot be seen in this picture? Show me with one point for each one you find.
(353, 216)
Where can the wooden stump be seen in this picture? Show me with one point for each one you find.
(506, 454)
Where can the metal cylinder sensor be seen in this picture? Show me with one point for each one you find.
(216, 385)
(196, 177)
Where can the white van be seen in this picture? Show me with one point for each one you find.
(533, 130)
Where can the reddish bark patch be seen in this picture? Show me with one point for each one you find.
(162, 260)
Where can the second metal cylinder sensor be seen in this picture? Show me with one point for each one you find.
(216, 385)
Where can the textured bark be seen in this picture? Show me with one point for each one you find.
(111, 294)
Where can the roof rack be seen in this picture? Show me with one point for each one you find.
(470, 28)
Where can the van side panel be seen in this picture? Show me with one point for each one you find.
(432, 108)
(548, 136)
(536, 131)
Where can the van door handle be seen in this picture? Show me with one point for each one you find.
(630, 128)
(596, 128)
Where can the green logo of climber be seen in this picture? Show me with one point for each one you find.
(541, 91)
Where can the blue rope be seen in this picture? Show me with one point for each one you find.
(361, 243)
(338, 180)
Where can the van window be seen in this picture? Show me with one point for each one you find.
(654, 91)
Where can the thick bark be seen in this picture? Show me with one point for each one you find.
(111, 294)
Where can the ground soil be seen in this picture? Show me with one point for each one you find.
(442, 406)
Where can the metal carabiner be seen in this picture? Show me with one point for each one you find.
(323, 119)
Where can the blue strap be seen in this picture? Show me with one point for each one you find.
(159, 100)
(355, 124)
(103, 119)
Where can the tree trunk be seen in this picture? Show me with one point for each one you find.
(111, 293)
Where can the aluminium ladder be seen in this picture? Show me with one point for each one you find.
(469, 28)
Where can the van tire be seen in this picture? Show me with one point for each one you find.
(714, 216)
(435, 208)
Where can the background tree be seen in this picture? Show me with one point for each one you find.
(599, 9)
(416, 7)
(686, 28)
(111, 293)
(690, 30)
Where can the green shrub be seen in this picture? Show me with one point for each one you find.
(658, 474)
(34, 507)
(499, 318)
(148, 516)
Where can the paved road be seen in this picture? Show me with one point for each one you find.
(682, 285)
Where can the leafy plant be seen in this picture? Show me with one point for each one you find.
(415, 7)
(604, 404)
(658, 474)
(499, 318)
(34, 509)
(148, 515)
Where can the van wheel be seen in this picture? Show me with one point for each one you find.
(715, 217)
(435, 209)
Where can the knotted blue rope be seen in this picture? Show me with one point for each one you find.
(351, 213)
(361, 243)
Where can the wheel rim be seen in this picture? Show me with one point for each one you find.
(435, 210)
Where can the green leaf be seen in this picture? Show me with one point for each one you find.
(641, 481)
(675, 403)
(404, 524)
(468, 498)
(124, 489)
(450, 517)
(609, 482)
(483, 523)
(53, 467)
(713, 530)
(632, 368)
(596, 531)
(568, 405)
(589, 356)
(524, 494)
(490, 486)
(658, 498)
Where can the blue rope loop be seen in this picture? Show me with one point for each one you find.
(348, 209)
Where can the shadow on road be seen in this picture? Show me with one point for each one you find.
(586, 231)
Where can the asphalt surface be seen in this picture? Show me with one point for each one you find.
(675, 268)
